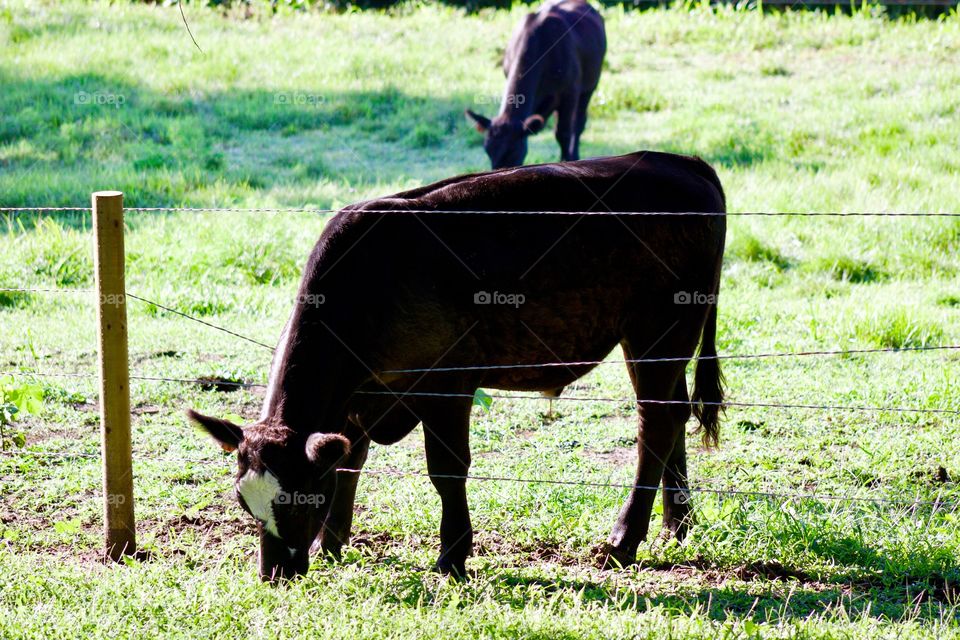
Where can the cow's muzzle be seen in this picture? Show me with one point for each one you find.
(279, 562)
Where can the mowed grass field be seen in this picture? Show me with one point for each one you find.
(798, 112)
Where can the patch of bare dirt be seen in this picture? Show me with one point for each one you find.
(619, 457)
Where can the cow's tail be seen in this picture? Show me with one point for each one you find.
(708, 382)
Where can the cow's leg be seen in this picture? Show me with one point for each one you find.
(336, 528)
(657, 435)
(446, 437)
(581, 122)
(677, 515)
(567, 126)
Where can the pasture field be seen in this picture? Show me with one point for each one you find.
(797, 111)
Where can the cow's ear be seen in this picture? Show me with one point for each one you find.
(479, 122)
(533, 124)
(227, 434)
(326, 449)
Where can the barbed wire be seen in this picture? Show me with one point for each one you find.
(732, 356)
(45, 374)
(890, 214)
(616, 485)
(146, 301)
(887, 214)
(212, 382)
(725, 403)
(199, 381)
(491, 478)
(198, 320)
(137, 455)
(42, 209)
(936, 504)
(32, 290)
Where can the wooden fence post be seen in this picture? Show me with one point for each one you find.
(119, 525)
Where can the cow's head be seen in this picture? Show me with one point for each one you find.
(505, 140)
(286, 481)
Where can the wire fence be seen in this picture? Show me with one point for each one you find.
(782, 496)
(399, 394)
(830, 214)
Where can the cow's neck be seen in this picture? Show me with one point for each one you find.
(520, 82)
(310, 377)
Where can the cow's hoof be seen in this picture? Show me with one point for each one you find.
(614, 558)
(332, 552)
(677, 525)
(675, 529)
(447, 567)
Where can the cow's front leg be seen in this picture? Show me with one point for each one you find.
(336, 528)
(446, 436)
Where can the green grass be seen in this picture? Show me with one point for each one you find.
(797, 111)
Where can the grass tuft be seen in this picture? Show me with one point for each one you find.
(849, 269)
(898, 328)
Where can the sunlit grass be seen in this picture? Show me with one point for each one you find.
(797, 111)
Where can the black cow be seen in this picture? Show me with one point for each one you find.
(552, 64)
(405, 282)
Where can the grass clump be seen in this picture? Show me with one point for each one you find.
(846, 268)
(748, 247)
(265, 262)
(898, 329)
(52, 253)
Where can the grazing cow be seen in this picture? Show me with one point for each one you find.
(407, 283)
(552, 64)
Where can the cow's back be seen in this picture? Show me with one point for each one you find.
(416, 267)
(563, 34)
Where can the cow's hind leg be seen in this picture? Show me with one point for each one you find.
(336, 528)
(446, 428)
(566, 132)
(677, 516)
(580, 122)
(659, 432)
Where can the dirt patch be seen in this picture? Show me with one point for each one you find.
(376, 541)
(145, 409)
(618, 457)
(220, 383)
(156, 355)
(538, 552)
(767, 569)
(38, 431)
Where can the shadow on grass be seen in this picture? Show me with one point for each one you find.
(760, 591)
(753, 592)
(866, 583)
(67, 136)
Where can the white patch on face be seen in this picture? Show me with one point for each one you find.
(292, 551)
(259, 491)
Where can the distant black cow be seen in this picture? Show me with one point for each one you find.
(552, 64)
(403, 285)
